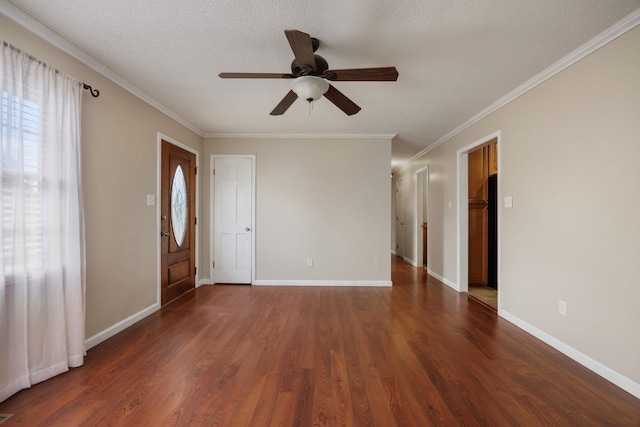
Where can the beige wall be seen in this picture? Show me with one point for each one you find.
(569, 158)
(119, 161)
(326, 199)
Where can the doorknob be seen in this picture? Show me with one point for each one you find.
(164, 234)
(247, 229)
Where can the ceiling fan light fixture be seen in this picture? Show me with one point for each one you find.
(310, 88)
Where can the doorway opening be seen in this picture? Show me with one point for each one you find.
(399, 249)
(478, 221)
(422, 215)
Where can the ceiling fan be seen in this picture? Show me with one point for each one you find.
(311, 76)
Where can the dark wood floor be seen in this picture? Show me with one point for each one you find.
(417, 354)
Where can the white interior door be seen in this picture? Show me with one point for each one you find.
(233, 234)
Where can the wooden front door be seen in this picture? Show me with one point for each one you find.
(178, 222)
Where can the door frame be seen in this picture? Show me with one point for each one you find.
(399, 250)
(212, 240)
(422, 195)
(463, 214)
(192, 150)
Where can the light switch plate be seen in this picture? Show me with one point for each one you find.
(151, 200)
(508, 202)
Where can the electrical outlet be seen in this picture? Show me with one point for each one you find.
(562, 307)
(309, 262)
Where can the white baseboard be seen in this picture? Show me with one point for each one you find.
(410, 261)
(120, 326)
(447, 282)
(322, 283)
(607, 373)
(203, 282)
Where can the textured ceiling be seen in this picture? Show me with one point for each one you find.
(454, 58)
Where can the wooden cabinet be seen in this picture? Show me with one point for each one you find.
(483, 163)
(493, 158)
(478, 218)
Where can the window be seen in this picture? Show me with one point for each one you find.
(21, 205)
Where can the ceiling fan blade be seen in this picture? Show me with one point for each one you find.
(284, 105)
(255, 76)
(382, 74)
(302, 47)
(341, 101)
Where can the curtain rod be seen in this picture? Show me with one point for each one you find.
(94, 92)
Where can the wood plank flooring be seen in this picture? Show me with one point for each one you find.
(416, 354)
(485, 294)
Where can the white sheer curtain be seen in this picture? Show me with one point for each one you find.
(42, 271)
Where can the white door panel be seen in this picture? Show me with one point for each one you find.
(233, 220)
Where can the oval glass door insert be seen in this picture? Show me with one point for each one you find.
(179, 206)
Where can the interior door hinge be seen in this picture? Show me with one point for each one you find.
(195, 270)
(196, 170)
(214, 264)
(195, 220)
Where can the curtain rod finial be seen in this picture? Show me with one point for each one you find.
(94, 92)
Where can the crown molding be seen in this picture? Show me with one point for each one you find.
(619, 28)
(301, 135)
(69, 48)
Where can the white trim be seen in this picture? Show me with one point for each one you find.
(462, 223)
(604, 371)
(447, 282)
(499, 213)
(410, 261)
(212, 254)
(203, 282)
(301, 135)
(120, 326)
(192, 150)
(619, 28)
(375, 283)
(63, 44)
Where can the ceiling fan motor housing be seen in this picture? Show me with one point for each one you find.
(306, 70)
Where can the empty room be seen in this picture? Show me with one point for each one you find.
(320, 213)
